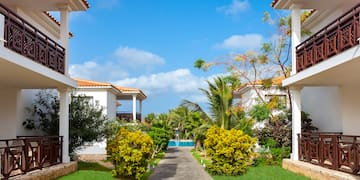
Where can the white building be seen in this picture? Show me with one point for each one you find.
(33, 55)
(110, 98)
(325, 83)
(249, 95)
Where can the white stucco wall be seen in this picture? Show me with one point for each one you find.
(107, 100)
(350, 110)
(99, 95)
(323, 105)
(250, 97)
(111, 105)
(9, 112)
(27, 98)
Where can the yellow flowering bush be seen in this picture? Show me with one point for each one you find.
(130, 153)
(231, 151)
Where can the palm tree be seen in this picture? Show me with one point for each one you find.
(220, 97)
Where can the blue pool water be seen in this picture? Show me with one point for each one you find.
(181, 143)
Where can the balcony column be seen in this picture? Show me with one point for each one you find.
(134, 107)
(295, 33)
(2, 28)
(296, 120)
(64, 122)
(64, 34)
(140, 109)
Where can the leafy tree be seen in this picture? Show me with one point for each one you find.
(44, 113)
(86, 119)
(86, 122)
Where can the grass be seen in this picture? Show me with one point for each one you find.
(88, 175)
(265, 172)
(89, 170)
(256, 172)
(95, 171)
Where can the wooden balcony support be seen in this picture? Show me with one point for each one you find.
(331, 150)
(128, 116)
(333, 39)
(23, 38)
(28, 153)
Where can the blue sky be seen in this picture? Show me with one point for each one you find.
(152, 44)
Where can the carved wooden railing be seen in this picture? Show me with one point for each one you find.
(128, 116)
(335, 38)
(330, 150)
(28, 153)
(23, 38)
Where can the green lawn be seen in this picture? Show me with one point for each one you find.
(88, 175)
(265, 172)
(95, 171)
(257, 172)
(89, 170)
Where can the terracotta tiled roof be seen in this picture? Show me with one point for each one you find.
(126, 88)
(89, 83)
(82, 82)
(55, 21)
(275, 81)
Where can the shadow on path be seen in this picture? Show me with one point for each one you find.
(179, 164)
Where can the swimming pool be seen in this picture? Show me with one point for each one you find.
(181, 143)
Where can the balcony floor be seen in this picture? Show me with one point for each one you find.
(316, 172)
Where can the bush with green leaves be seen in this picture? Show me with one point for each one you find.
(160, 136)
(130, 151)
(85, 118)
(231, 151)
(260, 112)
(279, 131)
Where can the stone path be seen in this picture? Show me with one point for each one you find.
(179, 164)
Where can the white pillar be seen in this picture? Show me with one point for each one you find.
(64, 122)
(140, 109)
(134, 107)
(296, 120)
(64, 34)
(295, 33)
(2, 28)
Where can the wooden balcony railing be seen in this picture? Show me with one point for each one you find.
(24, 154)
(335, 38)
(23, 38)
(334, 151)
(128, 116)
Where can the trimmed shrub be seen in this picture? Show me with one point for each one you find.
(130, 153)
(231, 151)
(160, 136)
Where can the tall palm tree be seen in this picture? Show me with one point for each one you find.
(220, 97)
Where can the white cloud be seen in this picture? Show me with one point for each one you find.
(114, 69)
(94, 71)
(178, 81)
(234, 8)
(135, 57)
(241, 42)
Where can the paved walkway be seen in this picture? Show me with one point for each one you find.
(179, 164)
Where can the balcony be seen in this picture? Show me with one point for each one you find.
(128, 116)
(335, 38)
(26, 40)
(331, 150)
(25, 154)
